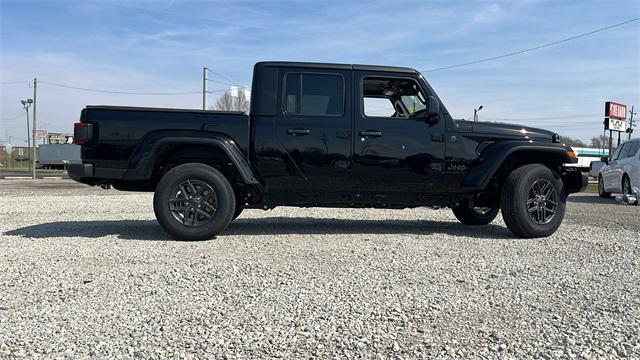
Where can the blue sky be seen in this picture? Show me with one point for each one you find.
(161, 46)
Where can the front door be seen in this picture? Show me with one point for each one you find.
(393, 149)
(613, 172)
(313, 126)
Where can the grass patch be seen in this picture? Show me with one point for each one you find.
(591, 188)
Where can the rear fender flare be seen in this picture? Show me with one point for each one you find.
(149, 151)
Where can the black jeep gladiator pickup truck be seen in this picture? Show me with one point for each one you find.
(327, 135)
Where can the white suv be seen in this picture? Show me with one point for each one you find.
(621, 172)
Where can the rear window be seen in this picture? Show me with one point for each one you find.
(314, 94)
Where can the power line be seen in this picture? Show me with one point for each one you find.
(14, 82)
(220, 82)
(230, 82)
(535, 47)
(119, 92)
(13, 118)
(557, 117)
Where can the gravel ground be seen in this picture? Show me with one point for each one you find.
(88, 272)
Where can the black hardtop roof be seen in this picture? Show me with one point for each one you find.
(140, 108)
(336, 66)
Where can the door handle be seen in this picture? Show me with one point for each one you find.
(298, 131)
(370, 133)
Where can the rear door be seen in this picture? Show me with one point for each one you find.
(313, 125)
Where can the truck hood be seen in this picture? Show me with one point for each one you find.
(511, 131)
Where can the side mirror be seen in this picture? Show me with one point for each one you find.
(605, 160)
(433, 107)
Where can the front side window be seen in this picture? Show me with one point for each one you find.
(633, 148)
(314, 94)
(619, 151)
(378, 106)
(403, 96)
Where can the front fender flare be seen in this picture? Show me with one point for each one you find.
(486, 166)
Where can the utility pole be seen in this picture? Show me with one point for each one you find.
(10, 154)
(35, 100)
(205, 80)
(630, 129)
(25, 105)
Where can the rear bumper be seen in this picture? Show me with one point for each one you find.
(574, 180)
(88, 174)
(78, 171)
(81, 173)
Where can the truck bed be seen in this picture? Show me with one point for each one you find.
(120, 130)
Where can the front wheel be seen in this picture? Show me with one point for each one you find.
(603, 194)
(533, 201)
(626, 186)
(194, 202)
(475, 215)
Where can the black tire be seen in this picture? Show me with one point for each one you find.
(207, 189)
(603, 194)
(475, 216)
(237, 212)
(527, 201)
(626, 185)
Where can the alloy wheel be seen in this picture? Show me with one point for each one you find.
(193, 203)
(542, 201)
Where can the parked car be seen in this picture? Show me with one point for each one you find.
(621, 173)
(316, 137)
(594, 168)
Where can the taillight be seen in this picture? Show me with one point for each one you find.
(81, 133)
(571, 153)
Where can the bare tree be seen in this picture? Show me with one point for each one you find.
(241, 103)
(599, 142)
(226, 102)
(572, 142)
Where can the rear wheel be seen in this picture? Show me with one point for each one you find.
(533, 201)
(194, 202)
(603, 194)
(475, 215)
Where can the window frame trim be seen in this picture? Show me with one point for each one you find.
(302, 73)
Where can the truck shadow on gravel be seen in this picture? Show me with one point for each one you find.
(151, 230)
(590, 199)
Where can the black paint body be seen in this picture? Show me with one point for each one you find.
(307, 160)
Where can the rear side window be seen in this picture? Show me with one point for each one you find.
(314, 94)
